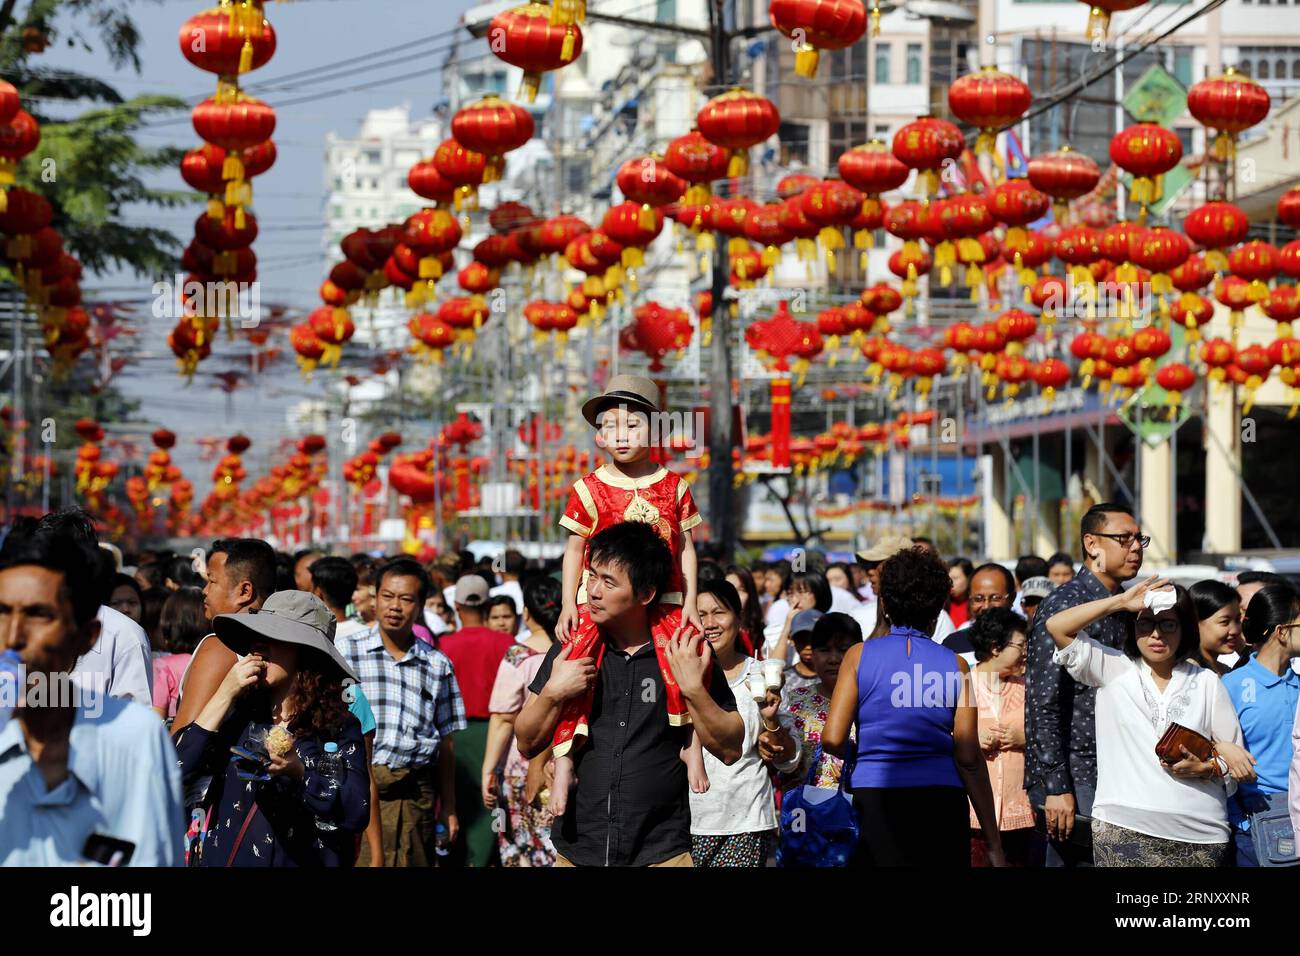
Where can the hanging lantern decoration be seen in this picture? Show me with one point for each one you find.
(1051, 294)
(1088, 347)
(1016, 203)
(988, 100)
(699, 162)
(1282, 305)
(763, 225)
(626, 226)
(1175, 378)
(1216, 226)
(1012, 370)
(1234, 292)
(736, 121)
(463, 168)
(966, 217)
(1050, 375)
(527, 38)
(924, 144)
(1078, 247)
(1218, 354)
(831, 205)
(1288, 259)
(492, 127)
(1151, 343)
(648, 181)
(872, 168)
(909, 266)
(868, 219)
(1256, 262)
(1159, 250)
(1192, 311)
(1064, 174)
(817, 25)
(659, 332)
(426, 182)
(1016, 326)
(1146, 151)
(924, 365)
(1099, 14)
(1230, 104)
(1255, 361)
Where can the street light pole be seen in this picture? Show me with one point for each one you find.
(721, 498)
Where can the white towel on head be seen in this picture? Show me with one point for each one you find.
(1161, 600)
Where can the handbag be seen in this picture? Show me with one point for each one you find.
(819, 826)
(1170, 746)
(1272, 834)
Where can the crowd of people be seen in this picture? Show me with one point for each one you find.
(638, 703)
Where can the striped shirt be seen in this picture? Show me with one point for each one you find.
(416, 700)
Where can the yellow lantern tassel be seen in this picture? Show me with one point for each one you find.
(1098, 24)
(232, 167)
(531, 84)
(738, 164)
(246, 56)
(805, 61)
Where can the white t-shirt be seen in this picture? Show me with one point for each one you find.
(739, 798)
(842, 601)
(866, 618)
(349, 627)
(775, 620)
(120, 664)
(1133, 790)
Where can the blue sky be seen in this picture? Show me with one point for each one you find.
(289, 199)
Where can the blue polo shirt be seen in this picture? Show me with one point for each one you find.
(1266, 706)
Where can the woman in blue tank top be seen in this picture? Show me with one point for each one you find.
(917, 757)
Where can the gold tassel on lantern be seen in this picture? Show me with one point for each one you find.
(805, 60)
(1098, 24)
(875, 18)
(738, 164)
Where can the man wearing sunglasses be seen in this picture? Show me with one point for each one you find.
(1060, 729)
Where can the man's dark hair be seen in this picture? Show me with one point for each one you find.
(70, 521)
(405, 567)
(1030, 566)
(1189, 629)
(1262, 577)
(1094, 519)
(302, 553)
(914, 587)
(831, 627)
(251, 560)
(365, 567)
(336, 579)
(1001, 569)
(65, 549)
(515, 563)
(1060, 558)
(992, 630)
(638, 550)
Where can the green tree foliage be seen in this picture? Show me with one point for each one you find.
(91, 166)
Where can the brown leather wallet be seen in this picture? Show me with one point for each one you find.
(1170, 746)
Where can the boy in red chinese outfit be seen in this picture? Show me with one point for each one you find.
(629, 488)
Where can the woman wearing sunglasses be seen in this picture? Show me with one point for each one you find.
(1148, 812)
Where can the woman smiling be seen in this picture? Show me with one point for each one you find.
(733, 821)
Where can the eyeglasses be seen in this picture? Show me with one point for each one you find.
(1167, 625)
(989, 598)
(1126, 539)
(1286, 629)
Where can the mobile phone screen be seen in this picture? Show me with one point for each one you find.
(107, 850)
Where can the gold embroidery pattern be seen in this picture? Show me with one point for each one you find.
(639, 509)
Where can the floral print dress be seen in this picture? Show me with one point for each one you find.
(807, 704)
(525, 840)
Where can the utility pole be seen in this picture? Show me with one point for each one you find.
(721, 439)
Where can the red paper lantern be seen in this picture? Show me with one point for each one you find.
(235, 122)
(989, 100)
(817, 25)
(427, 183)
(228, 42)
(1146, 151)
(493, 128)
(1064, 174)
(1282, 305)
(872, 168)
(736, 121)
(1288, 207)
(1229, 103)
(1256, 262)
(1216, 226)
(698, 161)
(924, 144)
(527, 38)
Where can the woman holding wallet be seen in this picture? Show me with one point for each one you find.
(1151, 811)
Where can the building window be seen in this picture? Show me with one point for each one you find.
(914, 63)
(1295, 69)
(882, 63)
(371, 156)
(1279, 69)
(1263, 70)
(1183, 65)
(881, 132)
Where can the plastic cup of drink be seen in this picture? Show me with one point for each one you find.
(757, 687)
(772, 671)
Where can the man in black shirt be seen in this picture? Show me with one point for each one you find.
(630, 806)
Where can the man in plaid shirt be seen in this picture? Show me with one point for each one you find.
(417, 704)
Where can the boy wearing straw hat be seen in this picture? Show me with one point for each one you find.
(629, 488)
